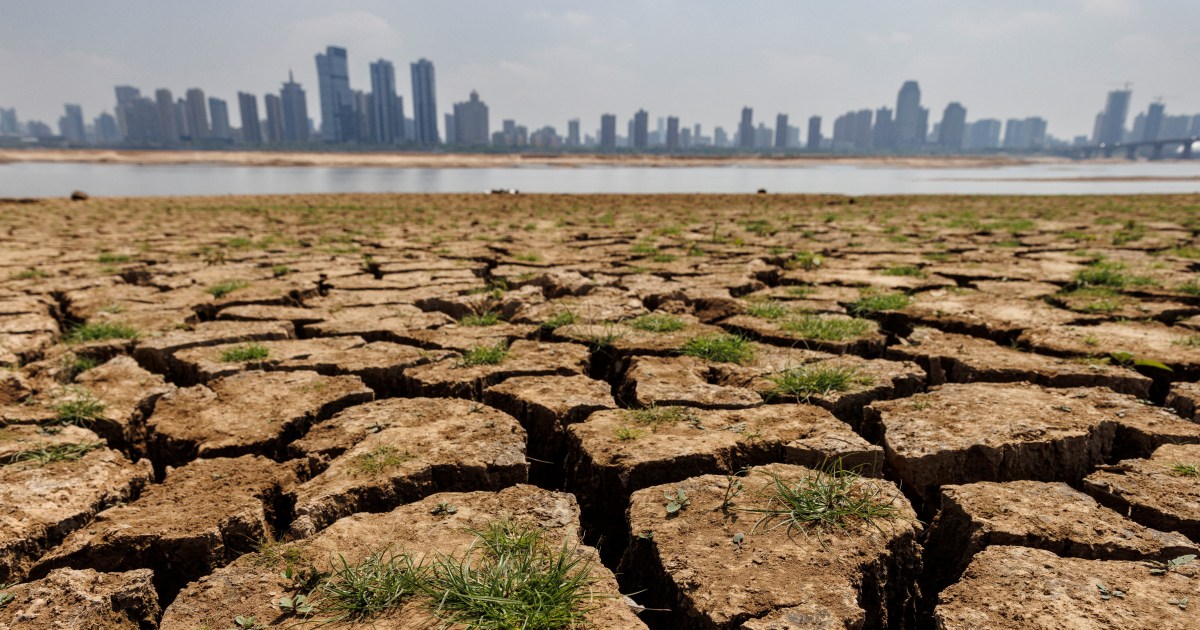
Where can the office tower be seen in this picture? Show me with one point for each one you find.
(953, 127)
(861, 133)
(781, 131)
(763, 137)
(1110, 128)
(219, 111)
(106, 129)
(608, 132)
(573, 132)
(471, 122)
(424, 103)
(181, 119)
(197, 115)
(167, 127)
(696, 135)
(1154, 121)
(248, 111)
(126, 94)
(387, 108)
(451, 128)
(983, 134)
(720, 138)
(338, 122)
(274, 107)
(641, 128)
(295, 111)
(883, 136)
(912, 120)
(70, 126)
(141, 122)
(1023, 135)
(814, 133)
(9, 125)
(1035, 132)
(746, 129)
(672, 133)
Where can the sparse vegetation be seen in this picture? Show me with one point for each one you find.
(720, 347)
(109, 258)
(827, 327)
(769, 309)
(485, 355)
(1180, 469)
(244, 353)
(100, 331)
(657, 322)
(1109, 274)
(366, 589)
(904, 270)
(222, 289)
(560, 319)
(72, 365)
(486, 318)
(805, 381)
(828, 500)
(380, 459)
(872, 302)
(46, 455)
(30, 274)
(677, 500)
(624, 433)
(81, 409)
(807, 261)
(655, 416)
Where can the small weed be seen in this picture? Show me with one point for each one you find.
(807, 381)
(676, 501)
(486, 318)
(733, 488)
(767, 310)
(655, 416)
(1161, 568)
(871, 303)
(625, 433)
(1190, 287)
(297, 605)
(243, 353)
(1180, 469)
(801, 290)
(904, 270)
(720, 347)
(272, 552)
(222, 289)
(5, 596)
(829, 499)
(279, 271)
(1192, 341)
(100, 331)
(657, 322)
(663, 258)
(484, 355)
(827, 327)
(30, 274)
(46, 455)
(81, 410)
(72, 366)
(109, 258)
(1132, 231)
(380, 459)
(1108, 274)
(362, 591)
(248, 622)
(562, 318)
(531, 257)
(645, 249)
(807, 261)
(444, 509)
(603, 339)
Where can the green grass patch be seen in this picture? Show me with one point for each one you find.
(560, 319)
(1093, 299)
(871, 303)
(486, 318)
(222, 289)
(367, 589)
(720, 347)
(644, 249)
(655, 416)
(806, 381)
(769, 309)
(81, 410)
(827, 327)
(379, 459)
(905, 270)
(485, 355)
(243, 353)
(73, 365)
(1192, 341)
(30, 274)
(100, 331)
(1190, 287)
(800, 290)
(625, 433)
(826, 501)
(46, 455)
(657, 323)
(528, 257)
(1108, 274)
(807, 261)
(109, 258)
(279, 271)
(1130, 232)
(1180, 469)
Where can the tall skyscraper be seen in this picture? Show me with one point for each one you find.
(1154, 121)
(338, 122)
(672, 133)
(248, 111)
(126, 94)
(883, 136)
(197, 114)
(295, 112)
(953, 127)
(274, 107)
(641, 130)
(70, 126)
(219, 111)
(608, 132)
(912, 120)
(451, 129)
(746, 129)
(471, 122)
(983, 134)
(424, 103)
(573, 132)
(106, 129)
(9, 125)
(387, 109)
(814, 133)
(1111, 124)
(165, 102)
(781, 131)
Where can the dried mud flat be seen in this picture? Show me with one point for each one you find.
(669, 411)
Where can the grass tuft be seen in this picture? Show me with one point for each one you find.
(39, 457)
(1180, 469)
(485, 355)
(560, 319)
(81, 410)
(807, 381)
(486, 318)
(827, 327)
(222, 289)
(1108, 274)
(657, 322)
(243, 353)
(720, 347)
(379, 459)
(769, 309)
(655, 416)
(100, 331)
(871, 303)
(367, 589)
(905, 270)
(828, 500)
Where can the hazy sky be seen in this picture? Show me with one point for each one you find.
(545, 62)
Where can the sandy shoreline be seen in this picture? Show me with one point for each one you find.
(471, 160)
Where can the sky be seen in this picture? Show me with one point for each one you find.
(544, 62)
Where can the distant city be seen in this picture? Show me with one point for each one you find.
(352, 119)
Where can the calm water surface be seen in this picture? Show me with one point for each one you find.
(39, 180)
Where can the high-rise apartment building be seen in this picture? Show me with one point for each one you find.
(953, 127)
(573, 132)
(672, 133)
(424, 103)
(387, 108)
(295, 112)
(248, 112)
(471, 122)
(883, 135)
(781, 131)
(640, 138)
(218, 110)
(274, 106)
(814, 133)
(197, 115)
(1110, 127)
(912, 120)
(70, 126)
(608, 132)
(168, 128)
(746, 129)
(1154, 121)
(338, 123)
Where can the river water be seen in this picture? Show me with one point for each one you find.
(48, 180)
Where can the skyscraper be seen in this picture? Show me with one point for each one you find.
(814, 133)
(1111, 124)
(953, 128)
(983, 134)
(746, 129)
(248, 110)
(165, 102)
(126, 94)
(70, 126)
(387, 109)
(106, 129)
(672, 133)
(912, 120)
(781, 131)
(8, 122)
(197, 115)
(608, 132)
(471, 121)
(338, 123)
(295, 112)
(883, 136)
(274, 107)
(641, 130)
(1154, 121)
(573, 132)
(424, 103)
(219, 111)
(451, 129)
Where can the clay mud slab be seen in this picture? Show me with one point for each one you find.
(953, 358)
(545, 405)
(851, 277)
(41, 504)
(202, 516)
(128, 394)
(297, 315)
(505, 303)
(1018, 587)
(1049, 516)
(460, 338)
(337, 299)
(155, 353)
(379, 364)
(1162, 492)
(67, 598)
(415, 447)
(377, 323)
(453, 377)
(981, 314)
(251, 585)
(624, 340)
(690, 563)
(603, 304)
(1171, 346)
(251, 412)
(776, 332)
(1184, 398)
(18, 349)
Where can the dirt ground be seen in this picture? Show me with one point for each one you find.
(755, 411)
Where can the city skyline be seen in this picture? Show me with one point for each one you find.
(1022, 59)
